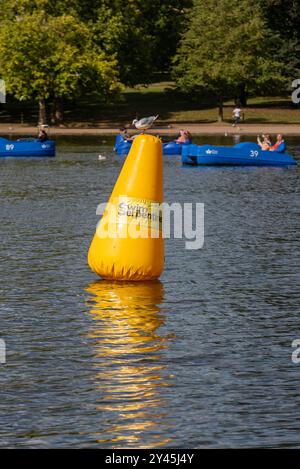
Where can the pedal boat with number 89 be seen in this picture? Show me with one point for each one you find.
(26, 148)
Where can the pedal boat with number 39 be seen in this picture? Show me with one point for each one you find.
(242, 154)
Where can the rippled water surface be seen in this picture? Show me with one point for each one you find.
(201, 358)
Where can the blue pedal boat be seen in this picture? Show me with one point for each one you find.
(122, 146)
(26, 148)
(242, 154)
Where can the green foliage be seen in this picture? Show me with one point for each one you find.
(137, 36)
(53, 49)
(46, 56)
(11, 8)
(120, 31)
(143, 34)
(283, 17)
(227, 46)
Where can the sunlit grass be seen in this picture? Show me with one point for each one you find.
(155, 99)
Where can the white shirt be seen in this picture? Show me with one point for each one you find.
(237, 112)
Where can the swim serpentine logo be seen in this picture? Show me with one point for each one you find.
(143, 218)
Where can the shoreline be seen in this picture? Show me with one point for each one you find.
(173, 129)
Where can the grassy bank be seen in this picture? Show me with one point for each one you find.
(158, 98)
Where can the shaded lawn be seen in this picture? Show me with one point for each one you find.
(158, 98)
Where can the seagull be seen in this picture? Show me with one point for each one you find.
(101, 157)
(145, 123)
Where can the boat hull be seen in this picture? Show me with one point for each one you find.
(242, 154)
(26, 148)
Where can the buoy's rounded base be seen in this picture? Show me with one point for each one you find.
(126, 259)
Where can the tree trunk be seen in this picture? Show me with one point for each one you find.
(42, 111)
(57, 112)
(220, 108)
(243, 96)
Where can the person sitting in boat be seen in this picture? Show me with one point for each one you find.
(265, 143)
(184, 137)
(42, 136)
(279, 143)
(126, 136)
(124, 133)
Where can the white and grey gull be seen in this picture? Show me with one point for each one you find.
(144, 123)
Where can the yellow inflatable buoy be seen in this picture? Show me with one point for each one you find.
(128, 243)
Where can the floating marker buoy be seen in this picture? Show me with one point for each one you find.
(128, 243)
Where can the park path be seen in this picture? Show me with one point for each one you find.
(195, 129)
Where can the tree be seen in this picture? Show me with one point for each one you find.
(226, 47)
(283, 17)
(44, 56)
(142, 34)
(71, 46)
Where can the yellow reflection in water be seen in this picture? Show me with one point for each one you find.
(130, 374)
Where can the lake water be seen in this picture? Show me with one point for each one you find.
(201, 358)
